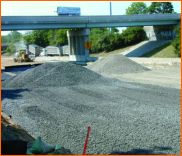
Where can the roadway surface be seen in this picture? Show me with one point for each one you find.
(126, 118)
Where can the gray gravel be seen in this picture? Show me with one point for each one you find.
(116, 64)
(53, 74)
(5, 76)
(126, 118)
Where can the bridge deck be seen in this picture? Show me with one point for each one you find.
(54, 22)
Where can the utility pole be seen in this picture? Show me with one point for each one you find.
(110, 8)
(110, 4)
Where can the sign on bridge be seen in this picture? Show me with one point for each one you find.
(68, 11)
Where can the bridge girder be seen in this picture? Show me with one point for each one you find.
(60, 22)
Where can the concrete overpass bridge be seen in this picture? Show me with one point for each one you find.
(57, 22)
(77, 38)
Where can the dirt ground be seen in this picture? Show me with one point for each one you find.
(166, 76)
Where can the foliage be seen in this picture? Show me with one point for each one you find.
(47, 37)
(161, 7)
(109, 42)
(38, 37)
(104, 40)
(137, 8)
(154, 8)
(4, 39)
(10, 49)
(114, 30)
(133, 35)
(12, 37)
(57, 37)
(10, 41)
(176, 42)
(96, 35)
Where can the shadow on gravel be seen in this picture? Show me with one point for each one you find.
(155, 150)
(17, 69)
(12, 93)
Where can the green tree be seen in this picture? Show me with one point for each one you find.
(12, 37)
(108, 42)
(28, 38)
(60, 37)
(96, 38)
(39, 37)
(15, 36)
(161, 7)
(10, 49)
(133, 35)
(47, 37)
(114, 30)
(4, 39)
(137, 8)
(51, 35)
(176, 42)
(10, 41)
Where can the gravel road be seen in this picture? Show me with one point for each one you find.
(58, 101)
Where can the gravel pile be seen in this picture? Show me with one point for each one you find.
(53, 75)
(116, 64)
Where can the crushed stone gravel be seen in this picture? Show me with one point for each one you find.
(57, 101)
(53, 75)
(124, 117)
(116, 64)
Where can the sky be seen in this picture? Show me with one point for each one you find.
(28, 8)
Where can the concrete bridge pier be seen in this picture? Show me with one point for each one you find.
(77, 40)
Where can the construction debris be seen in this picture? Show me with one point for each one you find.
(16, 140)
(14, 137)
(40, 147)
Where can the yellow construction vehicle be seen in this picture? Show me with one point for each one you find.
(22, 56)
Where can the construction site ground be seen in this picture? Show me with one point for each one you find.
(133, 113)
(164, 71)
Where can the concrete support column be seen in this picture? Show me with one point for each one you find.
(151, 34)
(76, 41)
(159, 33)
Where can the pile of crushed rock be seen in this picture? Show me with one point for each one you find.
(54, 74)
(116, 64)
(59, 74)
